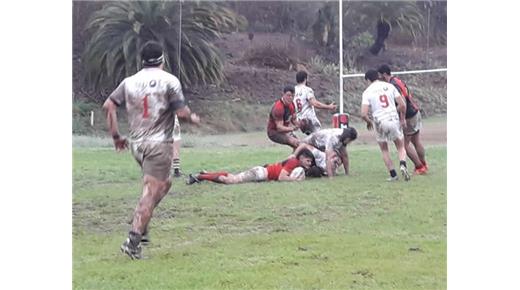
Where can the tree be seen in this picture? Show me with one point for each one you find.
(119, 30)
(361, 17)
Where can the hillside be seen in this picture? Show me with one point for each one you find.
(257, 70)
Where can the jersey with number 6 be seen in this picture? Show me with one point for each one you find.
(151, 96)
(381, 98)
(304, 109)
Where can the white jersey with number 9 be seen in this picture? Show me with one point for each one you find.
(381, 98)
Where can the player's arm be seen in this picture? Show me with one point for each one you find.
(186, 114)
(317, 104)
(401, 108)
(110, 106)
(329, 163)
(280, 127)
(300, 148)
(344, 159)
(284, 176)
(111, 112)
(364, 116)
(295, 121)
(177, 103)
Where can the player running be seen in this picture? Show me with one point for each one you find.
(413, 122)
(380, 97)
(279, 171)
(152, 98)
(305, 102)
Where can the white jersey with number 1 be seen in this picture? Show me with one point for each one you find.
(304, 109)
(381, 98)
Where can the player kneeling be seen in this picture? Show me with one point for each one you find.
(281, 171)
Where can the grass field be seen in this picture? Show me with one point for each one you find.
(356, 232)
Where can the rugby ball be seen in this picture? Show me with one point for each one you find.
(298, 173)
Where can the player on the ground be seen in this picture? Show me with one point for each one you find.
(305, 102)
(380, 97)
(332, 141)
(413, 122)
(279, 171)
(320, 169)
(152, 98)
(282, 120)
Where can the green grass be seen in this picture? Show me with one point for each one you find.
(356, 232)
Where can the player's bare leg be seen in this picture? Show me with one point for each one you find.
(209, 176)
(419, 148)
(388, 161)
(412, 154)
(230, 179)
(153, 192)
(399, 143)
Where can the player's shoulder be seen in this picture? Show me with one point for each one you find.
(278, 105)
(396, 80)
(293, 161)
(168, 77)
(308, 89)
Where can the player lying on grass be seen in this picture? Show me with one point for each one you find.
(333, 141)
(320, 169)
(280, 171)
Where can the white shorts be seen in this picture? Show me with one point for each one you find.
(176, 130)
(388, 130)
(257, 173)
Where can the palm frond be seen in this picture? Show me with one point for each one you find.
(120, 28)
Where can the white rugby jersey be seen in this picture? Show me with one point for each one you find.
(151, 96)
(304, 109)
(325, 139)
(319, 157)
(381, 98)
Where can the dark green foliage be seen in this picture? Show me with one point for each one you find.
(119, 30)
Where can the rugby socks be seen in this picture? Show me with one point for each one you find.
(403, 163)
(393, 173)
(212, 176)
(135, 238)
(176, 165)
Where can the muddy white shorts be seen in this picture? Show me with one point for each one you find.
(388, 130)
(257, 173)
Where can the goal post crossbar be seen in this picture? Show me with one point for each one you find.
(403, 72)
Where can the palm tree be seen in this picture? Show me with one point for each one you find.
(120, 28)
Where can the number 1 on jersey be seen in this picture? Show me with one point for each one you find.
(384, 101)
(145, 106)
